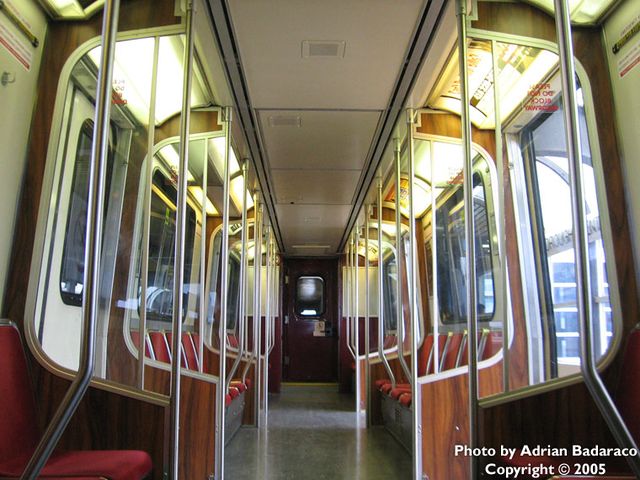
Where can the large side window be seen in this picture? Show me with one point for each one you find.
(546, 169)
(162, 248)
(72, 264)
(452, 254)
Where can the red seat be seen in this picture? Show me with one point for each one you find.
(452, 351)
(405, 399)
(189, 351)
(381, 381)
(398, 391)
(183, 356)
(160, 345)
(19, 434)
(239, 385)
(234, 392)
(227, 400)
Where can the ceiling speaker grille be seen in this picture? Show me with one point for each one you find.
(311, 48)
(285, 121)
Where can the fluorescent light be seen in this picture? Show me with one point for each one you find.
(582, 11)
(217, 149)
(132, 75)
(199, 195)
(172, 160)
(421, 196)
(238, 193)
(520, 68)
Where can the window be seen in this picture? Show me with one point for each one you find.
(162, 231)
(309, 296)
(215, 277)
(390, 282)
(547, 177)
(451, 251)
(72, 268)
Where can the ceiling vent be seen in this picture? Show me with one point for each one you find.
(327, 49)
(285, 121)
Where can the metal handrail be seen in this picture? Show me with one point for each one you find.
(367, 327)
(146, 219)
(93, 240)
(224, 287)
(178, 274)
(465, 119)
(257, 309)
(356, 312)
(383, 357)
(399, 264)
(256, 280)
(348, 296)
(414, 322)
(243, 274)
(588, 363)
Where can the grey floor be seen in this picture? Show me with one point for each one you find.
(314, 433)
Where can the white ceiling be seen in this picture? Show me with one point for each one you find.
(332, 104)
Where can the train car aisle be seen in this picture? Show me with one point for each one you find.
(314, 434)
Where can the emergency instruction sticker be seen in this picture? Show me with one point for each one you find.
(13, 40)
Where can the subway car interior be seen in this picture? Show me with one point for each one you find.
(293, 239)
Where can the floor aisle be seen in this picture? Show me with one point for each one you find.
(314, 434)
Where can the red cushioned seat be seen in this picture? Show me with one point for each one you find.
(160, 346)
(247, 382)
(19, 435)
(405, 399)
(110, 464)
(239, 385)
(234, 392)
(227, 400)
(396, 392)
(189, 352)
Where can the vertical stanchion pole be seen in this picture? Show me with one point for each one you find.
(383, 357)
(413, 300)
(254, 326)
(267, 328)
(588, 365)
(93, 241)
(257, 310)
(367, 313)
(242, 283)
(224, 288)
(502, 235)
(178, 274)
(469, 234)
(399, 312)
(356, 306)
(146, 220)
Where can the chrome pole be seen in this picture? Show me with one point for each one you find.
(257, 313)
(274, 293)
(202, 311)
(93, 241)
(356, 306)
(146, 219)
(267, 327)
(367, 327)
(502, 235)
(588, 365)
(469, 235)
(399, 313)
(224, 291)
(254, 326)
(387, 367)
(349, 295)
(241, 293)
(178, 274)
(413, 300)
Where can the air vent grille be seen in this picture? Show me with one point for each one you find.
(285, 121)
(326, 49)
